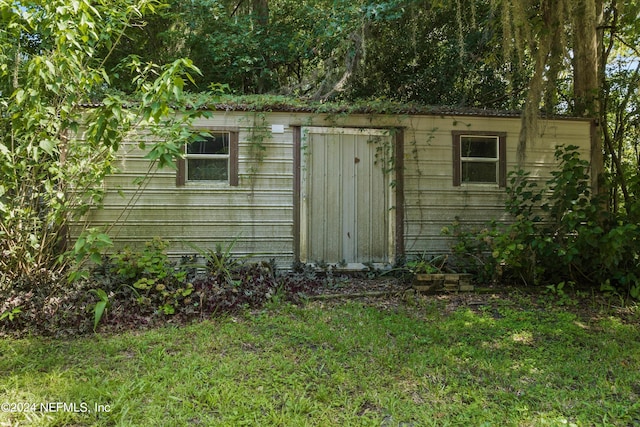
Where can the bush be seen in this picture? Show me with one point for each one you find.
(145, 285)
(473, 250)
(249, 286)
(303, 280)
(145, 281)
(562, 233)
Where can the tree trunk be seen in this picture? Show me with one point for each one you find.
(587, 15)
(260, 9)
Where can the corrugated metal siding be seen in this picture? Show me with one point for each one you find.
(259, 212)
(432, 202)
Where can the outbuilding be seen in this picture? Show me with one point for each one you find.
(338, 186)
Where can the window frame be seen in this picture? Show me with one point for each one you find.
(501, 179)
(232, 179)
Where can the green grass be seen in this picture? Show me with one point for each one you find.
(344, 364)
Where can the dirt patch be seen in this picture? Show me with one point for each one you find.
(391, 292)
(354, 286)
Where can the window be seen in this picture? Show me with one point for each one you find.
(208, 158)
(211, 157)
(479, 158)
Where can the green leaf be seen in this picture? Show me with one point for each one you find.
(100, 307)
(79, 244)
(19, 96)
(104, 238)
(47, 146)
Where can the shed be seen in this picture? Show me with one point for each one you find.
(342, 187)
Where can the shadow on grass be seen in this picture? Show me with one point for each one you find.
(348, 363)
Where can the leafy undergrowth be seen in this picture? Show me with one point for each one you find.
(57, 308)
(141, 290)
(414, 361)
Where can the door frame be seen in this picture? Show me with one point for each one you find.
(396, 247)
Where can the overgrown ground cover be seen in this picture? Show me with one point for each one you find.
(503, 361)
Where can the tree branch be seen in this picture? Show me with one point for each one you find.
(235, 9)
(352, 60)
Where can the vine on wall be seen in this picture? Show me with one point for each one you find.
(259, 134)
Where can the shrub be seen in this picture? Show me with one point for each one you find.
(246, 286)
(303, 280)
(132, 289)
(563, 234)
(148, 278)
(473, 250)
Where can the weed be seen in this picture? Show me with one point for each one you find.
(426, 264)
(473, 250)
(303, 280)
(10, 314)
(136, 288)
(560, 295)
(246, 286)
(101, 306)
(148, 277)
(46, 304)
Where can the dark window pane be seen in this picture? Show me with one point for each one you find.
(207, 170)
(479, 146)
(485, 172)
(217, 143)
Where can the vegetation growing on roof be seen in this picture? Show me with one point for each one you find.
(362, 106)
(269, 102)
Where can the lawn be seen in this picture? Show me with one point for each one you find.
(507, 361)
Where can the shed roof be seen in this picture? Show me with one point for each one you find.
(274, 103)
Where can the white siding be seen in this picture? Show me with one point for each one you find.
(431, 200)
(259, 212)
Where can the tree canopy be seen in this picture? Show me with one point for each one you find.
(573, 57)
(399, 49)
